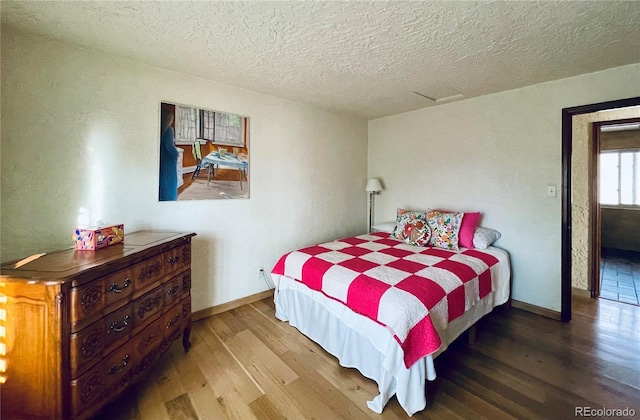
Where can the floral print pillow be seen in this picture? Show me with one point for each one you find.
(445, 228)
(407, 222)
(416, 233)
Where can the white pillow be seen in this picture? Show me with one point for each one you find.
(484, 237)
(387, 227)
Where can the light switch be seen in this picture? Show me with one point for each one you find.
(551, 191)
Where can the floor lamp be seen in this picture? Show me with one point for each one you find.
(373, 188)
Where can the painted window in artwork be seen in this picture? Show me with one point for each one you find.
(208, 124)
(187, 123)
(228, 129)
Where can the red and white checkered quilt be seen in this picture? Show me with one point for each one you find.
(405, 288)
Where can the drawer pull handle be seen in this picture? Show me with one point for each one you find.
(173, 290)
(174, 260)
(115, 369)
(173, 321)
(117, 327)
(114, 288)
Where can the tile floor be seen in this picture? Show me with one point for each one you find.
(620, 275)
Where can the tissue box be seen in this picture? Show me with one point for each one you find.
(92, 238)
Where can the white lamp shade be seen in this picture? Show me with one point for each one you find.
(373, 185)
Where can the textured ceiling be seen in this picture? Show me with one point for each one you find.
(363, 58)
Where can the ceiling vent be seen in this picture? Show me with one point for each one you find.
(440, 93)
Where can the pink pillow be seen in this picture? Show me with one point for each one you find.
(467, 229)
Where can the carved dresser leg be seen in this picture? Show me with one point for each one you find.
(185, 337)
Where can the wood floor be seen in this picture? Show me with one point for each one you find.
(245, 364)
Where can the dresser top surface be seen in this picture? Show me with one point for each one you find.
(62, 265)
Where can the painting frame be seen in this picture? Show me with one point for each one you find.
(203, 153)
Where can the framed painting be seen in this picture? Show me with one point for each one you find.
(204, 154)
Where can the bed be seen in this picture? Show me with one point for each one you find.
(388, 308)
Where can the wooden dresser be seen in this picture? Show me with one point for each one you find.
(81, 326)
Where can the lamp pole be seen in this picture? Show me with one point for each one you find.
(371, 210)
(373, 187)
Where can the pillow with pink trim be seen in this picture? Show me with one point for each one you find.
(467, 228)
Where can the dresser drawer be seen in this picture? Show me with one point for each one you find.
(147, 308)
(118, 364)
(177, 259)
(118, 326)
(147, 340)
(87, 303)
(172, 321)
(118, 287)
(186, 282)
(172, 291)
(186, 307)
(87, 348)
(147, 274)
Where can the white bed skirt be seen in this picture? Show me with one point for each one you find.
(361, 343)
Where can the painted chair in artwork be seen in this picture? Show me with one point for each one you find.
(197, 154)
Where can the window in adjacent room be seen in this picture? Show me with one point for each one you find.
(620, 178)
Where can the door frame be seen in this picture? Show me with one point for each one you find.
(594, 204)
(567, 143)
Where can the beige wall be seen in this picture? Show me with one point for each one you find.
(81, 129)
(581, 175)
(495, 154)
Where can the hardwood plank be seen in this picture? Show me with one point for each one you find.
(488, 397)
(222, 370)
(279, 399)
(205, 403)
(264, 409)
(180, 408)
(251, 352)
(235, 407)
(270, 332)
(449, 406)
(318, 397)
(166, 377)
(150, 402)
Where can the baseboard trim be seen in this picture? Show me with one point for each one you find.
(538, 310)
(218, 309)
(580, 292)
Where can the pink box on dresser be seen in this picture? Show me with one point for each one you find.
(92, 238)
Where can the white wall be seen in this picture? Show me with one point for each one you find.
(496, 154)
(82, 129)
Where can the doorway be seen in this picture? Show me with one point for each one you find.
(616, 209)
(566, 230)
